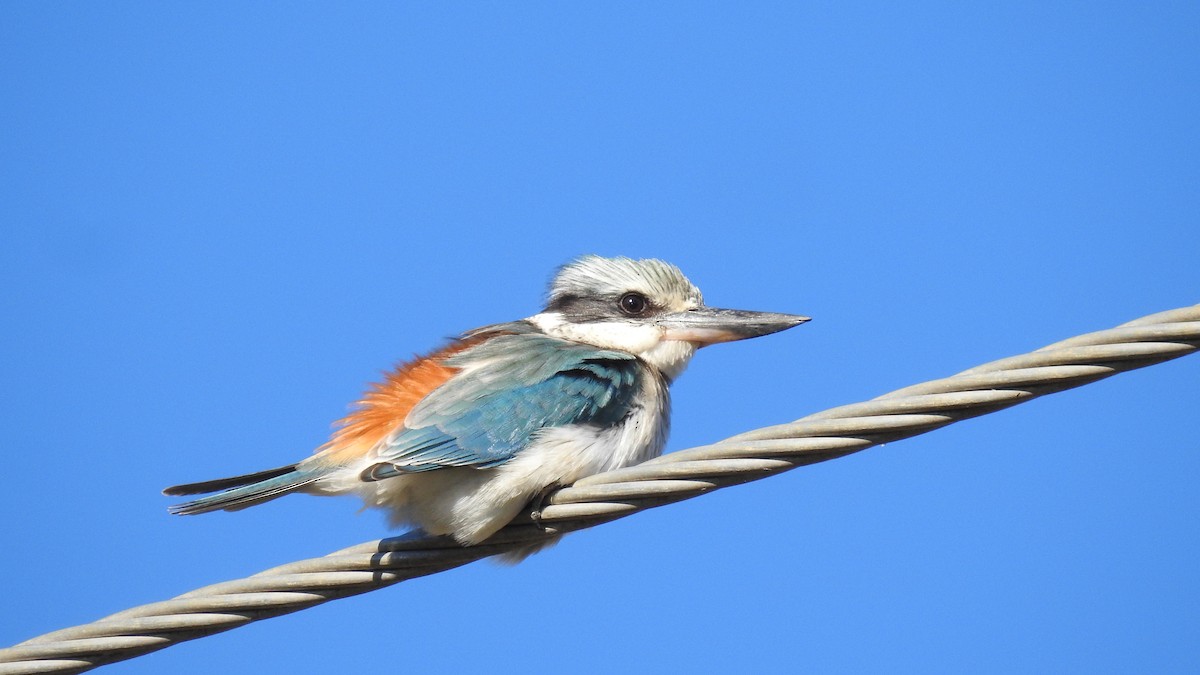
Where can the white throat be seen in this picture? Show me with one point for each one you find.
(643, 340)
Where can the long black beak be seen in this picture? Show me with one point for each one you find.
(708, 325)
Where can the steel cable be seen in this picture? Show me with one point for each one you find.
(670, 478)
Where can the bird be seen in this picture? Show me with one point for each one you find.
(458, 441)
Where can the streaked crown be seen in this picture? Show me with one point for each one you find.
(591, 286)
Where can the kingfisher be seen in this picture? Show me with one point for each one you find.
(458, 441)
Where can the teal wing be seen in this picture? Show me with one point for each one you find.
(508, 389)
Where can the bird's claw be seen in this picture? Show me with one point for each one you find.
(539, 502)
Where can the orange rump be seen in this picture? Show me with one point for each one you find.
(384, 407)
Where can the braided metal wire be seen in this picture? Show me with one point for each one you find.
(673, 477)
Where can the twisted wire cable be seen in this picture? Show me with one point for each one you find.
(670, 478)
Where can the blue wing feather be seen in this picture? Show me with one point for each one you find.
(509, 388)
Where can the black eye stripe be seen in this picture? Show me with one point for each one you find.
(586, 309)
(562, 303)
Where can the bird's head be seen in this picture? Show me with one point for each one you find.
(647, 308)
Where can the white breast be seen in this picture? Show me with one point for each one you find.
(566, 454)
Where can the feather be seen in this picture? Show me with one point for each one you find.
(246, 495)
(207, 486)
(508, 390)
(385, 406)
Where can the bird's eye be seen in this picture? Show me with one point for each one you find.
(633, 303)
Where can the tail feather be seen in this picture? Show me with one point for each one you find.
(244, 493)
(225, 483)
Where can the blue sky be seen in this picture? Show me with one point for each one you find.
(220, 221)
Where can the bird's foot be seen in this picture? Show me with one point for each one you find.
(539, 503)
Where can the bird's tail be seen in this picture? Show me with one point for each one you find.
(239, 492)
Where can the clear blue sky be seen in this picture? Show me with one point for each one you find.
(220, 221)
